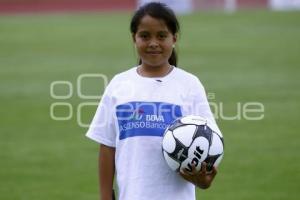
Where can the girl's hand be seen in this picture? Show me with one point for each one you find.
(202, 178)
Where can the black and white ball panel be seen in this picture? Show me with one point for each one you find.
(190, 141)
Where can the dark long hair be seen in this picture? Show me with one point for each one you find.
(159, 11)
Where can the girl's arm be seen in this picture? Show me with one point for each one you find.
(106, 171)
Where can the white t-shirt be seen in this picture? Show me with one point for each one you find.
(132, 116)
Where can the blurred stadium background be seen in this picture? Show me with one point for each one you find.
(104, 5)
(243, 51)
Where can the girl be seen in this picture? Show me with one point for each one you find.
(138, 105)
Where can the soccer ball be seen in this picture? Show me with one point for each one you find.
(191, 140)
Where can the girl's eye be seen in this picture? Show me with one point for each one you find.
(162, 36)
(144, 36)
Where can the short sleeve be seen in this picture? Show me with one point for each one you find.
(201, 106)
(102, 129)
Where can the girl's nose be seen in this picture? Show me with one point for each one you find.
(153, 44)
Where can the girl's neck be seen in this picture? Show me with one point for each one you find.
(150, 71)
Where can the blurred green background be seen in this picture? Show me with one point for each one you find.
(240, 57)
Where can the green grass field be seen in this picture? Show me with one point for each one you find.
(242, 57)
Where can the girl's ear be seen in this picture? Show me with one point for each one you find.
(175, 38)
(133, 37)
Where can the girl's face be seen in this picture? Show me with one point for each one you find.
(154, 42)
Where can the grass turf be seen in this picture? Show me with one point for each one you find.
(241, 57)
